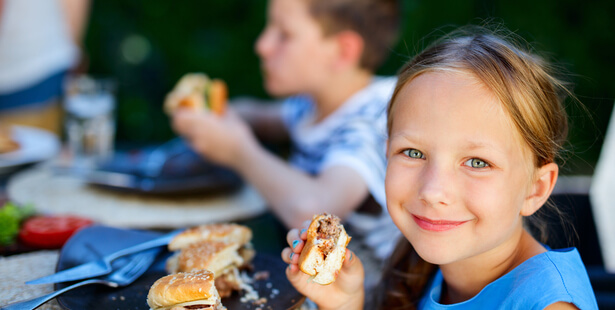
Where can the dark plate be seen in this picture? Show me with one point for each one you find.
(182, 172)
(91, 242)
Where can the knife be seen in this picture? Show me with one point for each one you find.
(102, 266)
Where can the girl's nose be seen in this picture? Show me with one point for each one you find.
(435, 188)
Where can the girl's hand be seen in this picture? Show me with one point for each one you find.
(345, 293)
(221, 139)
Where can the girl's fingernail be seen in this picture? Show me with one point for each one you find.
(302, 231)
(291, 256)
(295, 243)
(350, 259)
(288, 268)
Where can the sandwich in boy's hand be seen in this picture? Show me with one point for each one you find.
(196, 91)
(222, 248)
(325, 248)
(183, 291)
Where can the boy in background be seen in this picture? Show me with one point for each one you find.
(320, 55)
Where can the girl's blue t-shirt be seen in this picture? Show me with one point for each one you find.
(553, 276)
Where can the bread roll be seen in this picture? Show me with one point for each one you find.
(221, 248)
(325, 249)
(179, 290)
(195, 91)
(212, 255)
(7, 144)
(230, 233)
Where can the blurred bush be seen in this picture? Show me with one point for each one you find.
(146, 45)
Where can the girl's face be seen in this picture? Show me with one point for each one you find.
(294, 52)
(458, 171)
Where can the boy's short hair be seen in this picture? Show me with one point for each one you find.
(376, 21)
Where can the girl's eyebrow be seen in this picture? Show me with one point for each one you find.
(493, 149)
(473, 145)
(405, 136)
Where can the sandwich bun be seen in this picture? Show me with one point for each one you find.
(184, 289)
(325, 249)
(229, 233)
(211, 255)
(223, 249)
(197, 92)
(7, 143)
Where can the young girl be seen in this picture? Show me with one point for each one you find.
(475, 125)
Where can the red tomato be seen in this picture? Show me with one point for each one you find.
(50, 231)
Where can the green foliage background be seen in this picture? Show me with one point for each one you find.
(146, 45)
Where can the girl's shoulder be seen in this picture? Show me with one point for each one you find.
(556, 275)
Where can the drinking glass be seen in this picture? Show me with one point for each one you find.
(89, 106)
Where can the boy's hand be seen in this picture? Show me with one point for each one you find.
(345, 293)
(221, 139)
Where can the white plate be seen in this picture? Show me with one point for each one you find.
(34, 145)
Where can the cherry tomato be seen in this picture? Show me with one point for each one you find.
(50, 232)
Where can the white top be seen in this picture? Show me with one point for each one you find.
(601, 197)
(34, 43)
(354, 136)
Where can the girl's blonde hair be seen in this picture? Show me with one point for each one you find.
(525, 84)
(530, 93)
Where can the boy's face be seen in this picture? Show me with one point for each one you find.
(458, 173)
(295, 57)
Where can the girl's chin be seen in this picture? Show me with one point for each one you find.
(436, 258)
(435, 253)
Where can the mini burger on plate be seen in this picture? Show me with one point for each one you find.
(225, 249)
(185, 291)
(7, 143)
(325, 248)
(196, 91)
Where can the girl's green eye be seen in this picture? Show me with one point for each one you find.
(477, 163)
(414, 153)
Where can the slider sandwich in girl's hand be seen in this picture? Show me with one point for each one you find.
(325, 249)
(183, 291)
(197, 92)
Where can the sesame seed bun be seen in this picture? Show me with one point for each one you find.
(229, 233)
(180, 289)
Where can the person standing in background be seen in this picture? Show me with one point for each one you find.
(40, 43)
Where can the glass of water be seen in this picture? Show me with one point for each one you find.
(89, 120)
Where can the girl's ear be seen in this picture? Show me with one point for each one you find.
(541, 189)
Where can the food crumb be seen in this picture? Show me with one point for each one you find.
(122, 298)
(260, 301)
(261, 275)
(274, 293)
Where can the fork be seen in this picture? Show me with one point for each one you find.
(137, 264)
(102, 266)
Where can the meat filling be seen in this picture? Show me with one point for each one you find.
(196, 307)
(208, 307)
(328, 232)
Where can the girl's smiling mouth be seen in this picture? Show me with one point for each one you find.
(436, 225)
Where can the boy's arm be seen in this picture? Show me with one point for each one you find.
(293, 195)
(296, 196)
(263, 116)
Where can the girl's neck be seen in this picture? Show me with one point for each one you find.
(465, 279)
(332, 98)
